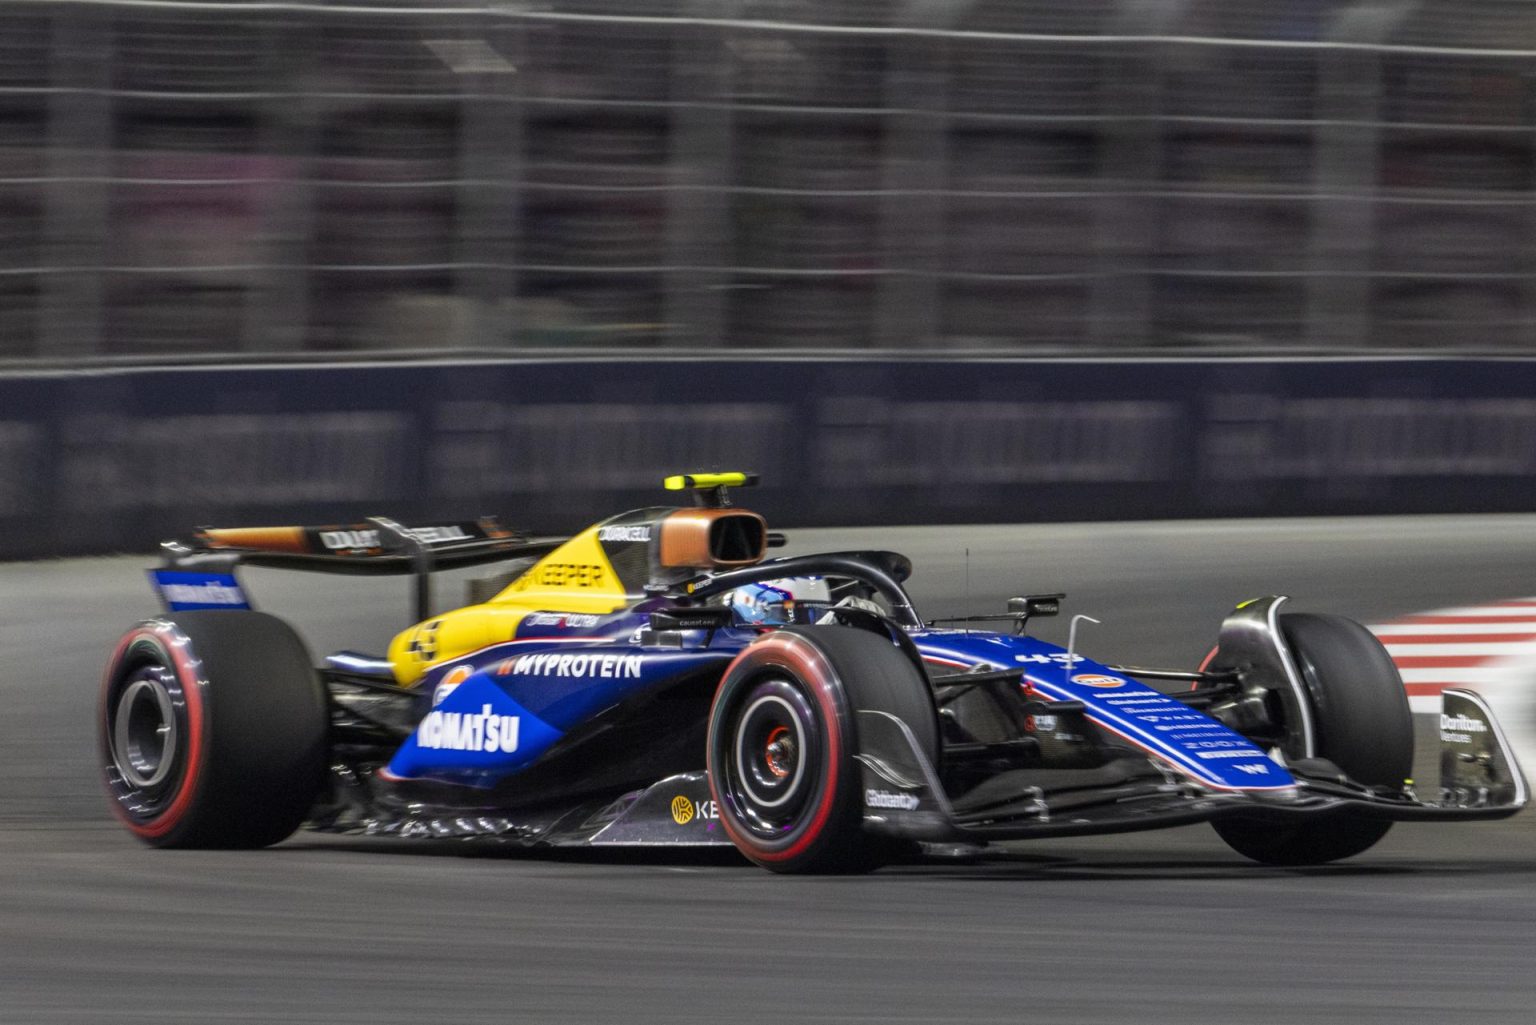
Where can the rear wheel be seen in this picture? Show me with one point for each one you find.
(1363, 725)
(782, 739)
(212, 730)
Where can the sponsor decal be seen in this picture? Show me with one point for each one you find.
(556, 663)
(450, 683)
(887, 799)
(437, 535)
(633, 533)
(181, 589)
(202, 594)
(685, 811)
(562, 574)
(576, 620)
(484, 730)
(1458, 729)
(351, 540)
(343, 540)
(1098, 680)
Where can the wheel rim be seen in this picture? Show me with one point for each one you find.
(144, 737)
(145, 740)
(775, 757)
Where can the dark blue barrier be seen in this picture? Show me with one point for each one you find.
(116, 460)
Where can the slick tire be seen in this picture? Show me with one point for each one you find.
(1363, 725)
(212, 730)
(782, 739)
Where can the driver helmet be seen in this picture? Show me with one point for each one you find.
(772, 602)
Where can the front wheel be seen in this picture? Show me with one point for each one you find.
(212, 730)
(783, 736)
(1363, 725)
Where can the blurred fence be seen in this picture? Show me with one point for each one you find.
(188, 177)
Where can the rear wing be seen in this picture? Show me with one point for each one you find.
(199, 572)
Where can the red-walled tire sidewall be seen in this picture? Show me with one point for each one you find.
(158, 644)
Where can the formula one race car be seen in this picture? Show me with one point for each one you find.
(655, 680)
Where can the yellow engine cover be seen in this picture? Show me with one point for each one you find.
(576, 577)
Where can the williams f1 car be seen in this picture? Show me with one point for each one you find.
(658, 680)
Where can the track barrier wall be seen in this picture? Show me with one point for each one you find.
(105, 460)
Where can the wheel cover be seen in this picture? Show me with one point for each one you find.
(776, 758)
(145, 736)
(147, 740)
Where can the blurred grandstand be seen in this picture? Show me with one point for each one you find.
(181, 178)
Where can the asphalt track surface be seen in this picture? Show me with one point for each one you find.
(1437, 924)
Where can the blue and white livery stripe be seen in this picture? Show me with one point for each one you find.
(1165, 728)
(1169, 729)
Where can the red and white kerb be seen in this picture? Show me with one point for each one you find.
(1471, 646)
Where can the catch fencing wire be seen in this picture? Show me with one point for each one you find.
(181, 178)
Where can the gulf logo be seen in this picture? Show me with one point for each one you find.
(1096, 680)
(450, 682)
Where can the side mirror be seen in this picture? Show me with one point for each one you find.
(1036, 605)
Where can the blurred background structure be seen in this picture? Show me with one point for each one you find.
(184, 178)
